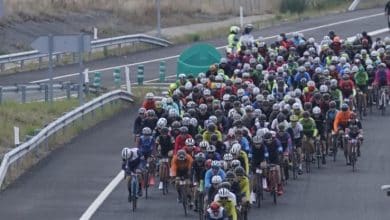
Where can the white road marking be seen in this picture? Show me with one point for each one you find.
(221, 47)
(102, 196)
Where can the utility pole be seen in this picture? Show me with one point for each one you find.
(158, 6)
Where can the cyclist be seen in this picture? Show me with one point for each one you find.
(131, 163)
(180, 140)
(240, 155)
(296, 132)
(329, 120)
(149, 102)
(214, 170)
(213, 190)
(181, 165)
(273, 148)
(309, 130)
(340, 124)
(354, 131)
(320, 122)
(243, 180)
(285, 139)
(227, 203)
(361, 80)
(216, 212)
(146, 143)
(198, 174)
(164, 144)
(138, 123)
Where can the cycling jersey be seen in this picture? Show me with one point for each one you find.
(230, 208)
(341, 120)
(146, 145)
(361, 77)
(244, 187)
(220, 214)
(181, 168)
(165, 143)
(309, 127)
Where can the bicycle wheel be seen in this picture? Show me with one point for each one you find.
(146, 184)
(307, 161)
(183, 199)
(335, 146)
(318, 154)
(134, 194)
(200, 206)
(259, 190)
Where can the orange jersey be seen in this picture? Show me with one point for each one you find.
(177, 165)
(341, 119)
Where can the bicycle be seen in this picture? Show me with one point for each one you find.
(295, 160)
(370, 98)
(273, 181)
(147, 174)
(360, 102)
(164, 174)
(353, 152)
(200, 200)
(258, 186)
(307, 151)
(183, 193)
(317, 145)
(382, 99)
(133, 185)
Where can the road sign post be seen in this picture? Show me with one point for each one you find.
(128, 83)
(162, 71)
(81, 77)
(117, 77)
(140, 75)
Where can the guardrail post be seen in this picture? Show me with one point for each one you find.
(1, 94)
(23, 90)
(119, 49)
(2, 67)
(97, 83)
(21, 65)
(77, 86)
(140, 74)
(58, 58)
(162, 71)
(39, 62)
(105, 51)
(67, 89)
(117, 77)
(46, 87)
(73, 57)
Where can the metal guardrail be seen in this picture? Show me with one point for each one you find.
(95, 44)
(18, 152)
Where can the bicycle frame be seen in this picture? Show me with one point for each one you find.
(353, 142)
(164, 174)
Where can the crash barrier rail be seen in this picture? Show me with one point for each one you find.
(95, 45)
(17, 154)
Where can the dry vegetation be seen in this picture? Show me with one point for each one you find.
(138, 8)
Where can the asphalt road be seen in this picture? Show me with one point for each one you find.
(333, 192)
(64, 184)
(151, 69)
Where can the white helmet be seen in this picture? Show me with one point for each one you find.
(257, 139)
(236, 148)
(211, 149)
(216, 179)
(190, 142)
(318, 70)
(188, 86)
(126, 153)
(162, 122)
(149, 95)
(223, 193)
(323, 89)
(316, 110)
(236, 163)
(194, 122)
(296, 106)
(204, 144)
(215, 163)
(228, 157)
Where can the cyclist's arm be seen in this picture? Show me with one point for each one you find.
(245, 189)
(173, 167)
(246, 161)
(336, 122)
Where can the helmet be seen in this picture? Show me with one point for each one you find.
(146, 131)
(162, 122)
(210, 149)
(344, 107)
(332, 104)
(305, 114)
(236, 163)
(214, 206)
(276, 107)
(141, 111)
(216, 179)
(181, 154)
(257, 139)
(296, 106)
(149, 95)
(239, 171)
(323, 89)
(182, 76)
(194, 122)
(228, 157)
(190, 142)
(223, 193)
(352, 116)
(204, 144)
(126, 153)
(215, 164)
(230, 175)
(316, 110)
(200, 157)
(236, 148)
(267, 137)
(185, 121)
(294, 118)
(183, 130)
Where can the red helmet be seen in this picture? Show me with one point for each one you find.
(214, 206)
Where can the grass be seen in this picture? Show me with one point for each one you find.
(28, 117)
